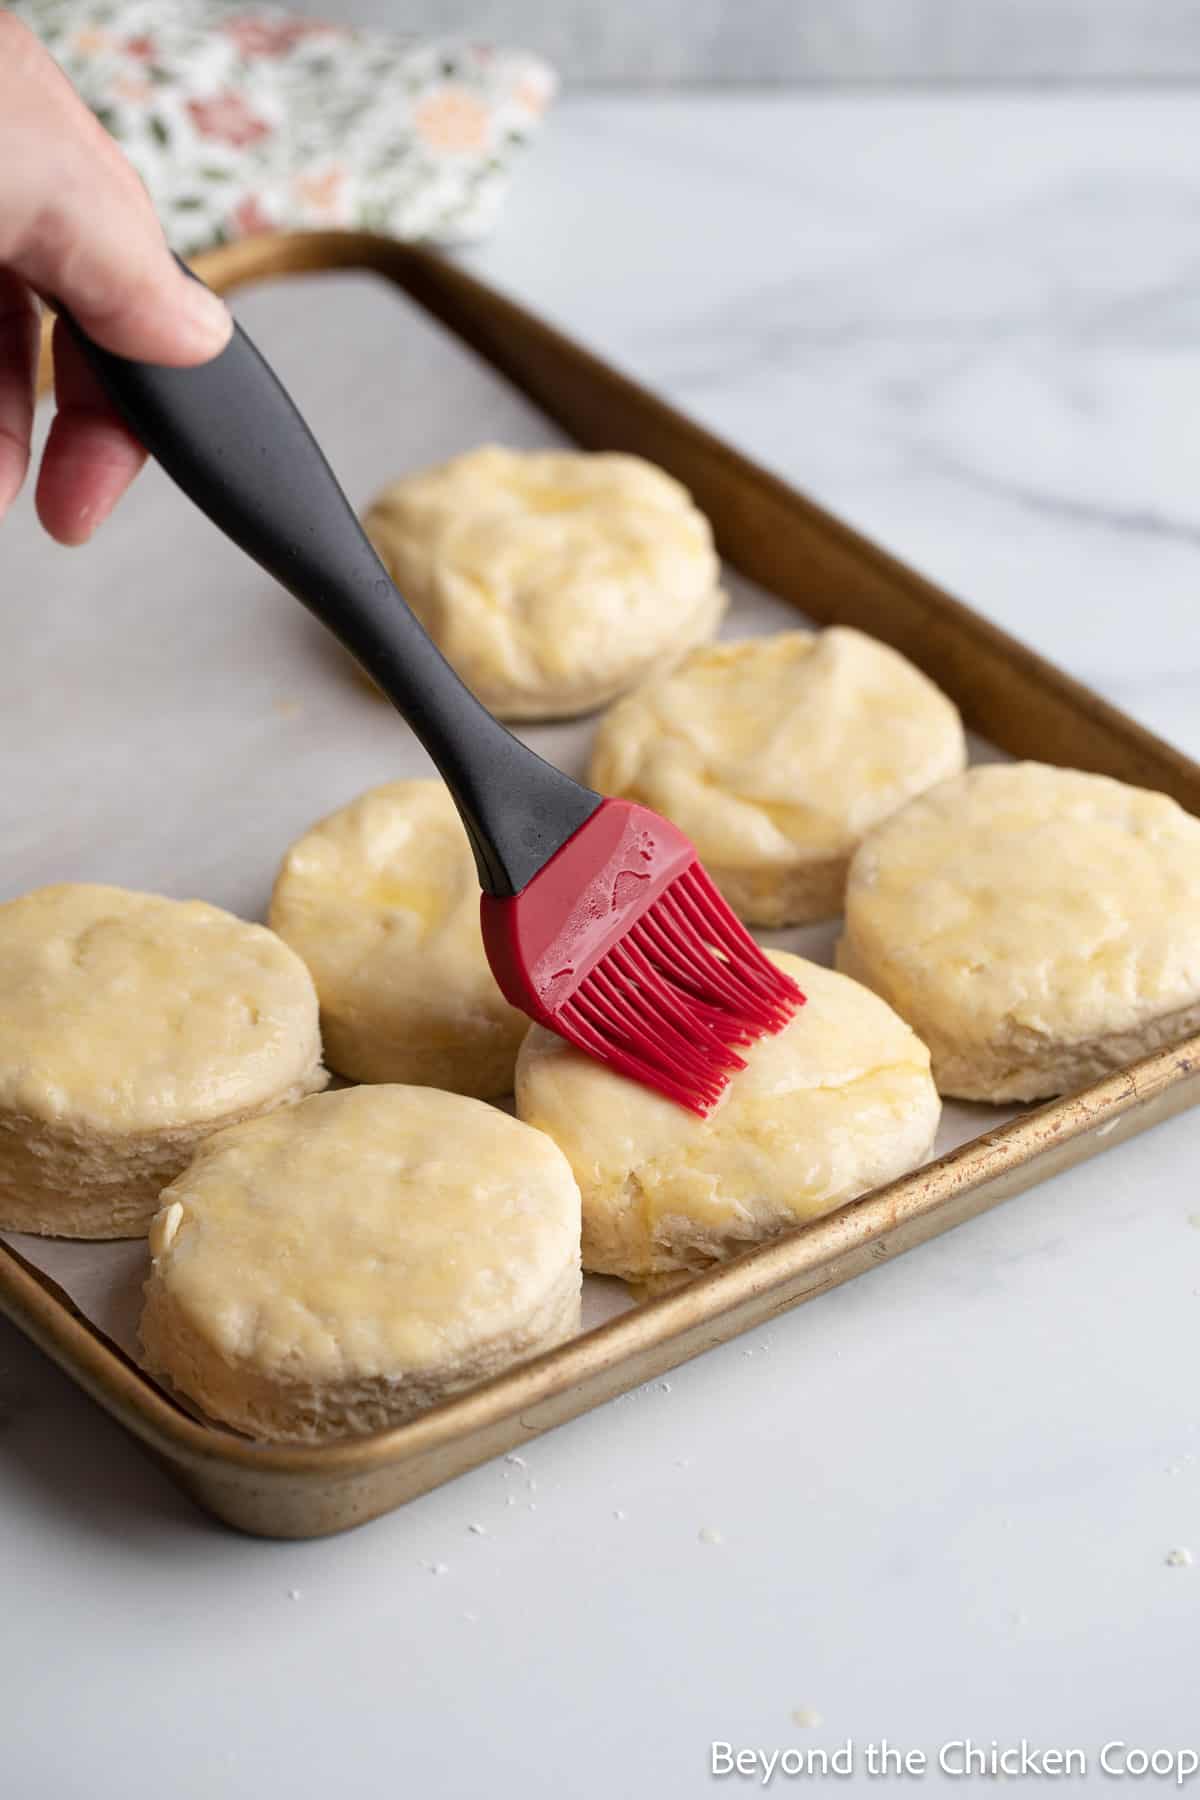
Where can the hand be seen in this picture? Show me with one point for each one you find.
(76, 225)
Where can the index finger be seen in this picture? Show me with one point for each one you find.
(90, 458)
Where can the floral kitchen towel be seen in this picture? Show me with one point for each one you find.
(241, 121)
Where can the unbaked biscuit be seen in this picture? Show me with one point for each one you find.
(381, 900)
(775, 755)
(553, 580)
(838, 1102)
(1037, 926)
(342, 1266)
(131, 1028)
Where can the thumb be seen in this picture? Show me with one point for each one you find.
(78, 227)
(137, 303)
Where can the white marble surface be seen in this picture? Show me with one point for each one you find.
(945, 1494)
(725, 42)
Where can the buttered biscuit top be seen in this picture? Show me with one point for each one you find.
(1037, 926)
(128, 1011)
(340, 1266)
(838, 1101)
(776, 754)
(131, 1025)
(551, 580)
(381, 900)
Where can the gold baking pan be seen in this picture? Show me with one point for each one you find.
(792, 548)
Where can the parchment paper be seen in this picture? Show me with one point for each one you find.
(172, 719)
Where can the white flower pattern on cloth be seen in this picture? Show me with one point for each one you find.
(245, 120)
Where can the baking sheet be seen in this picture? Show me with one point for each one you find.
(173, 719)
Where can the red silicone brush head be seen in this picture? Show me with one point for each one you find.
(622, 945)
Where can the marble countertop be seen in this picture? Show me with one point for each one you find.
(936, 1504)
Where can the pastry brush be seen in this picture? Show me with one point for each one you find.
(598, 918)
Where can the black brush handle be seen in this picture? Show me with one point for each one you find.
(229, 435)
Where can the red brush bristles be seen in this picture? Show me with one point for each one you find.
(622, 945)
(661, 1007)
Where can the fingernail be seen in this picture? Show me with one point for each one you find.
(205, 318)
